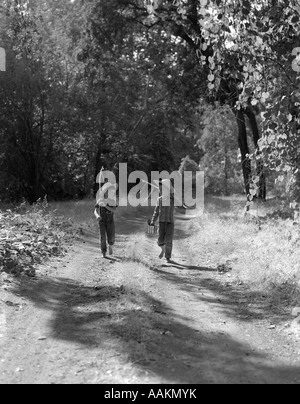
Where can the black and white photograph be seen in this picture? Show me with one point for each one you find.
(149, 195)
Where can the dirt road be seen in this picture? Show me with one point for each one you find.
(135, 319)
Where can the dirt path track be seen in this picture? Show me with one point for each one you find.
(137, 320)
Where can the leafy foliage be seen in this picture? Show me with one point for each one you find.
(188, 164)
(249, 51)
(29, 236)
(221, 160)
(45, 145)
(91, 84)
(143, 80)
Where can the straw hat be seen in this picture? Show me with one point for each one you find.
(166, 184)
(107, 186)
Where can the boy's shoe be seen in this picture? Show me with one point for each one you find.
(110, 250)
(104, 255)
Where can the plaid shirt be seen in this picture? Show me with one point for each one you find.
(165, 214)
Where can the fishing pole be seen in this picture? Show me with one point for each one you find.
(154, 186)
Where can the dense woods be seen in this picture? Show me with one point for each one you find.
(148, 82)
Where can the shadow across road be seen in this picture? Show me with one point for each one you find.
(152, 338)
(148, 334)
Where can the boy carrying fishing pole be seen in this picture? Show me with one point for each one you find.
(105, 210)
(164, 213)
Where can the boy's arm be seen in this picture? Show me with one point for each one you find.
(96, 214)
(156, 213)
(112, 209)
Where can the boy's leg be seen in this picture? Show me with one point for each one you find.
(111, 235)
(169, 240)
(103, 237)
(161, 238)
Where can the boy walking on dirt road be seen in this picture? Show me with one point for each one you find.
(104, 213)
(165, 216)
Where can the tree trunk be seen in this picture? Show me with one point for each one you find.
(226, 165)
(244, 148)
(260, 166)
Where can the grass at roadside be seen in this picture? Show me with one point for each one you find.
(78, 212)
(262, 251)
(29, 235)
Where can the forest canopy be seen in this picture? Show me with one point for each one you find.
(148, 82)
